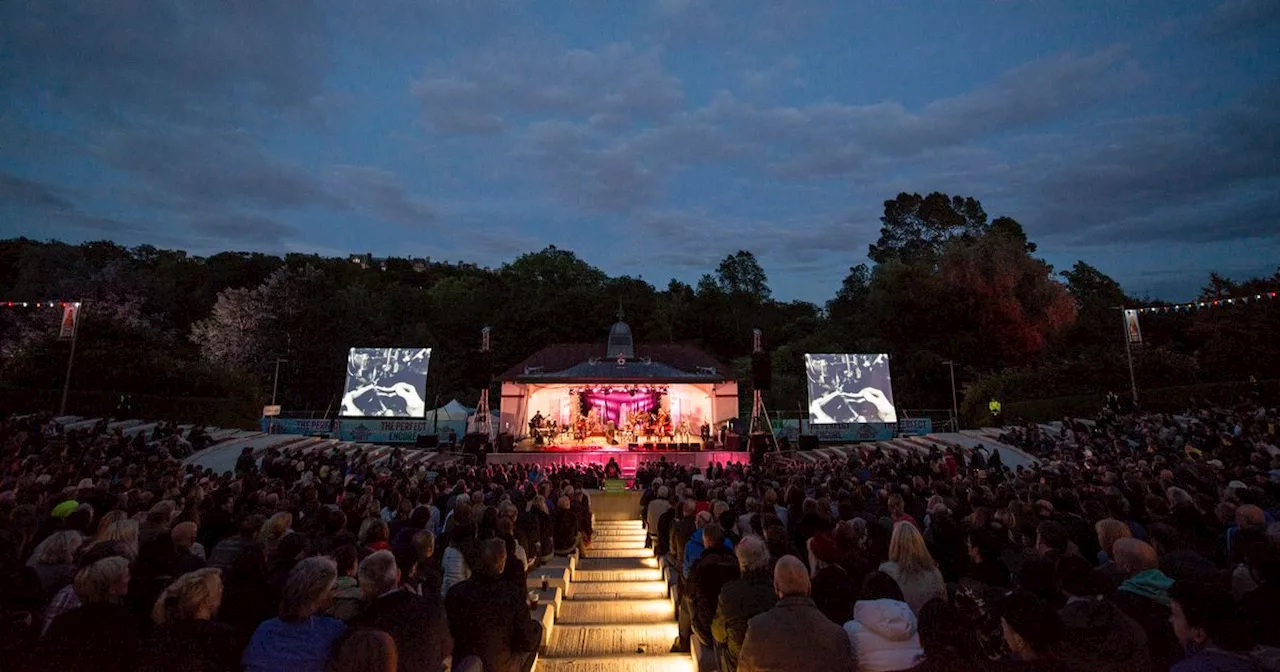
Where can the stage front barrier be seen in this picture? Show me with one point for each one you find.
(628, 461)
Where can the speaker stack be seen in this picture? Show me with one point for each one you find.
(761, 371)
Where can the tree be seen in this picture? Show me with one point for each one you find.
(915, 228)
(740, 276)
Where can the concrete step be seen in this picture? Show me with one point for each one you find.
(636, 553)
(616, 543)
(619, 524)
(618, 590)
(612, 564)
(568, 641)
(585, 611)
(613, 533)
(641, 574)
(670, 662)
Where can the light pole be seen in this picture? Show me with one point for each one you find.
(275, 383)
(955, 409)
(275, 387)
(1128, 353)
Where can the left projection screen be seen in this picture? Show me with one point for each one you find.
(386, 382)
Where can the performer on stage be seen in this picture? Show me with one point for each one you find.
(535, 427)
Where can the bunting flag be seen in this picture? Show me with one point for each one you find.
(1209, 303)
(55, 303)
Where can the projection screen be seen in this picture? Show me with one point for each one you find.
(849, 388)
(386, 382)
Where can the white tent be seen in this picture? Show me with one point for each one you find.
(454, 410)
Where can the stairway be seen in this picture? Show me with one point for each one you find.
(617, 615)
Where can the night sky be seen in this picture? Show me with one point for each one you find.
(652, 137)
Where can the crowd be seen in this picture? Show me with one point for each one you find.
(114, 556)
(1140, 543)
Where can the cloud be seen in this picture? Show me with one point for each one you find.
(1239, 19)
(241, 229)
(381, 193)
(185, 60)
(478, 93)
(18, 192)
(183, 167)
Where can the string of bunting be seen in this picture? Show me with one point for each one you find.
(1213, 303)
(56, 303)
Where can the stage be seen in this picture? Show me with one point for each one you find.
(629, 460)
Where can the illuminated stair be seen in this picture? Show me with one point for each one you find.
(617, 615)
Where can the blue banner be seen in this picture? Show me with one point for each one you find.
(385, 431)
(304, 426)
(915, 426)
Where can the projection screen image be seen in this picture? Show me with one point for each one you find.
(386, 382)
(849, 388)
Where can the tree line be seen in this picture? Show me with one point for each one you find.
(942, 283)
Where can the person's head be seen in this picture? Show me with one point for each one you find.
(1203, 614)
(378, 574)
(184, 535)
(1109, 531)
(564, 503)
(713, 536)
(689, 507)
(193, 596)
(106, 580)
(984, 545)
(423, 543)
(880, 586)
(752, 554)
(945, 634)
(1051, 539)
(493, 558)
(907, 549)
(1080, 579)
(309, 589)
(1134, 556)
(1031, 627)
(60, 548)
(108, 519)
(366, 650)
(790, 577)
(1251, 517)
(373, 530)
(702, 520)
(346, 558)
(276, 527)
(897, 507)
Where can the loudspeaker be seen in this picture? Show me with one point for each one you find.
(761, 371)
(708, 446)
(648, 447)
(506, 443)
(633, 447)
(808, 441)
(427, 441)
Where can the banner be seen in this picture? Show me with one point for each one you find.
(1131, 327)
(915, 426)
(70, 315)
(303, 426)
(385, 431)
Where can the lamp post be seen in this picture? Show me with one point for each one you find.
(955, 409)
(1128, 353)
(275, 387)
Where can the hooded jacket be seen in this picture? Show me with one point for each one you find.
(884, 637)
(1099, 637)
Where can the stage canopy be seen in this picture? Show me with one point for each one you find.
(615, 380)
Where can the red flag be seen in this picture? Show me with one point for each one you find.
(70, 316)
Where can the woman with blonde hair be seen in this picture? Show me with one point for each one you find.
(273, 531)
(104, 524)
(123, 535)
(185, 630)
(101, 633)
(912, 567)
(55, 561)
(1109, 531)
(301, 638)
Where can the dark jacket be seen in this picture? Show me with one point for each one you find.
(488, 618)
(834, 593)
(418, 625)
(739, 602)
(682, 530)
(716, 568)
(665, 523)
(96, 637)
(191, 646)
(794, 636)
(1098, 637)
(564, 530)
(1215, 660)
(1154, 619)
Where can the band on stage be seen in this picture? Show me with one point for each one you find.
(656, 426)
